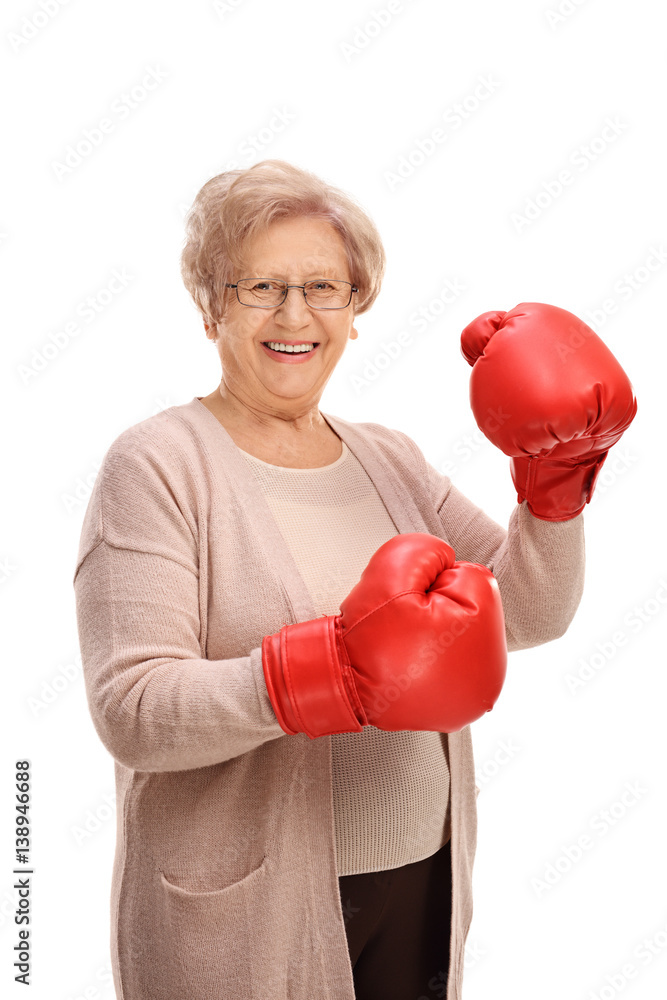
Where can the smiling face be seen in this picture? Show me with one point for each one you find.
(286, 384)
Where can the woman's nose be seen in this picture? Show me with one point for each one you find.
(294, 308)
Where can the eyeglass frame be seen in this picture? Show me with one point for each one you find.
(353, 288)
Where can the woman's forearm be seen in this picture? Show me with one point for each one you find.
(539, 565)
(155, 703)
(540, 572)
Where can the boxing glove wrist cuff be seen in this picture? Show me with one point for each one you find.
(555, 490)
(309, 679)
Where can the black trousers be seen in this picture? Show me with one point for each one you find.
(397, 924)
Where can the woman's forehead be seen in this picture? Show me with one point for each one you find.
(302, 245)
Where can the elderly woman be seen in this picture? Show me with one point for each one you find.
(272, 606)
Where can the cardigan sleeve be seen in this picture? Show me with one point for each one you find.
(156, 703)
(539, 565)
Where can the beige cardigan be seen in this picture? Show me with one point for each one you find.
(224, 883)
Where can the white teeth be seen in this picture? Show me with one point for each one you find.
(289, 348)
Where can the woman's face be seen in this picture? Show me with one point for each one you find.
(295, 250)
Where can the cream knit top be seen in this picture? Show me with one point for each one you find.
(390, 790)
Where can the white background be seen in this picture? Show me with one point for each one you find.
(359, 97)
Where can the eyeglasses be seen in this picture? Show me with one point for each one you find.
(267, 293)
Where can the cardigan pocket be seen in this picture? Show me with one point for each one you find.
(210, 937)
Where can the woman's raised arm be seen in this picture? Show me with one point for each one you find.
(539, 565)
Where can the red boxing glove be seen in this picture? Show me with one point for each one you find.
(550, 394)
(419, 644)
